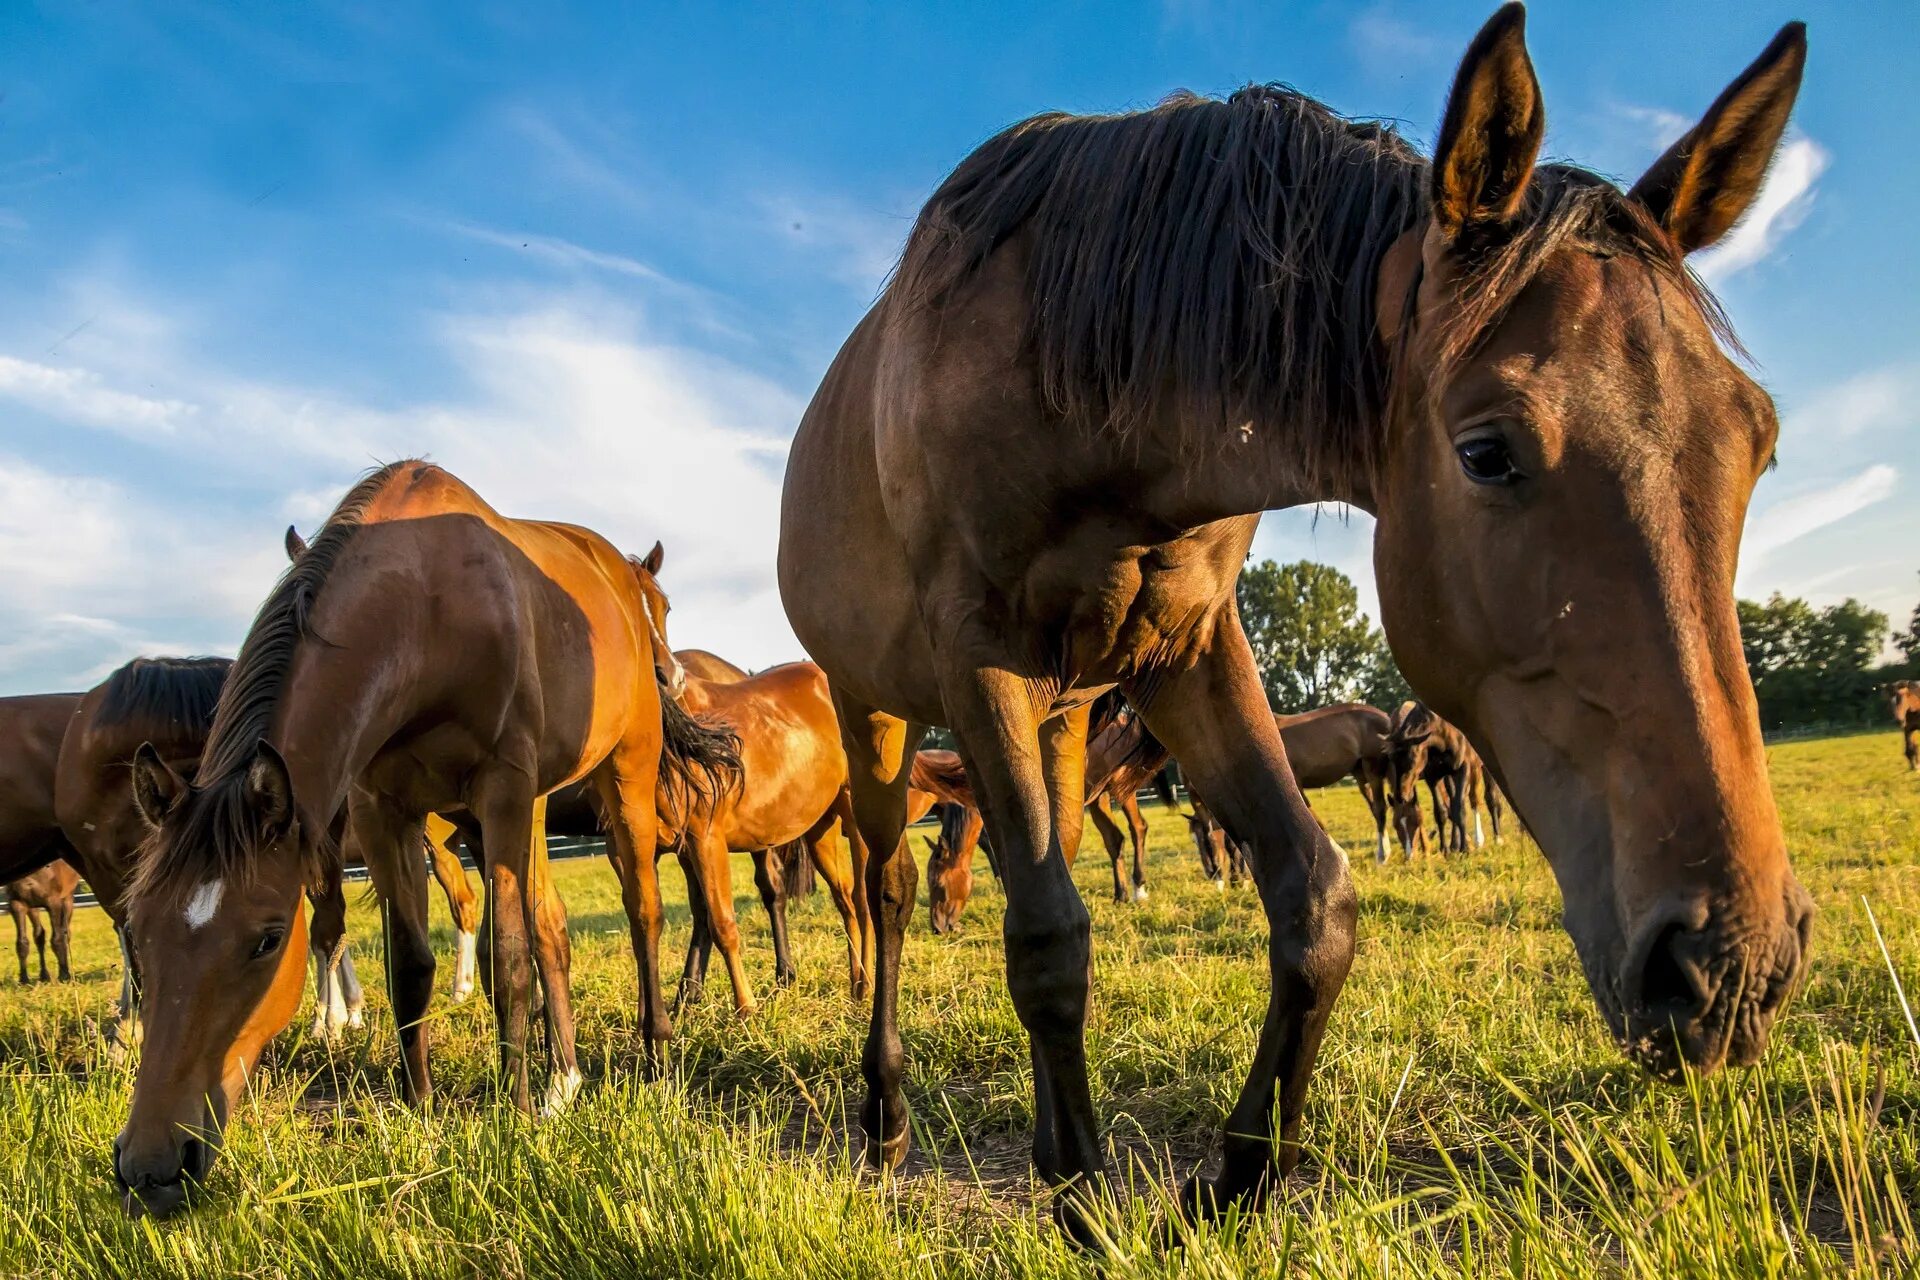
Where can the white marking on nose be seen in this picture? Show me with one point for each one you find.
(204, 902)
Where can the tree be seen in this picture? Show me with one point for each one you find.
(1812, 666)
(1908, 641)
(1310, 640)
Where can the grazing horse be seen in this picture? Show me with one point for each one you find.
(1033, 472)
(47, 892)
(425, 654)
(937, 777)
(169, 703)
(792, 786)
(31, 727)
(1424, 748)
(1905, 698)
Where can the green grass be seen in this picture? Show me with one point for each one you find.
(1469, 1116)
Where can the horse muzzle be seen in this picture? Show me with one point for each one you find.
(159, 1183)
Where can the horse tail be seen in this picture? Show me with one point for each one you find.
(699, 759)
(1163, 787)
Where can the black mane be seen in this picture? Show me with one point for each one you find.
(174, 697)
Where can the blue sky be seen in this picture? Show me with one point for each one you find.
(585, 257)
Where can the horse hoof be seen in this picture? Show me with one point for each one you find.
(889, 1154)
(1140, 894)
(1221, 885)
(561, 1091)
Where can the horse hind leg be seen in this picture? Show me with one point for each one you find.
(1103, 822)
(824, 853)
(770, 877)
(62, 918)
(40, 940)
(462, 904)
(1137, 827)
(389, 841)
(716, 886)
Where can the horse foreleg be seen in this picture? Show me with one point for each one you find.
(1215, 720)
(693, 972)
(326, 945)
(388, 839)
(770, 877)
(1029, 777)
(40, 940)
(61, 913)
(838, 871)
(22, 926)
(879, 752)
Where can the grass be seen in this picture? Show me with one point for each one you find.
(1469, 1116)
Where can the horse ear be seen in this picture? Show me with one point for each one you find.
(1492, 130)
(1703, 184)
(296, 545)
(269, 791)
(933, 846)
(654, 559)
(157, 789)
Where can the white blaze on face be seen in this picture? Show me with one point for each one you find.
(204, 902)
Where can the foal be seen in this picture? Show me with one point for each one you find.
(47, 892)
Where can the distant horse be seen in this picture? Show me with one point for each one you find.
(1905, 698)
(1425, 748)
(360, 685)
(47, 892)
(936, 777)
(792, 786)
(169, 703)
(1324, 746)
(31, 727)
(1035, 468)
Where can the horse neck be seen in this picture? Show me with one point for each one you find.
(340, 705)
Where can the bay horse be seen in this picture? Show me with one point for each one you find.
(938, 778)
(1425, 748)
(1034, 470)
(425, 654)
(31, 727)
(1904, 695)
(47, 893)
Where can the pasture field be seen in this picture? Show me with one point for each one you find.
(1469, 1116)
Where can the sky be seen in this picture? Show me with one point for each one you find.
(594, 261)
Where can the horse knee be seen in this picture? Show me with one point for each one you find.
(1048, 971)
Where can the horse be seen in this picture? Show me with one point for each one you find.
(1324, 746)
(1424, 748)
(361, 685)
(169, 703)
(1904, 695)
(937, 777)
(1034, 469)
(792, 786)
(31, 727)
(47, 892)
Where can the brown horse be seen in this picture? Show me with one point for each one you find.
(358, 685)
(31, 727)
(937, 777)
(169, 703)
(793, 786)
(47, 892)
(1034, 470)
(1424, 748)
(1904, 695)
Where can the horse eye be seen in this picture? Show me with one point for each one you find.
(269, 943)
(1486, 461)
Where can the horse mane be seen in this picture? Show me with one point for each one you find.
(1219, 260)
(699, 759)
(219, 829)
(166, 697)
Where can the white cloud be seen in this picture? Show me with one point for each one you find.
(81, 397)
(1783, 204)
(1798, 515)
(559, 252)
(1383, 41)
(1860, 405)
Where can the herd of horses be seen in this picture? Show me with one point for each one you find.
(1028, 480)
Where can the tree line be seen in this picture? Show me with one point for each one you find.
(1810, 666)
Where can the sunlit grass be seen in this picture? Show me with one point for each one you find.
(1469, 1116)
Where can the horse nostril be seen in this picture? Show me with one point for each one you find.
(1672, 979)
